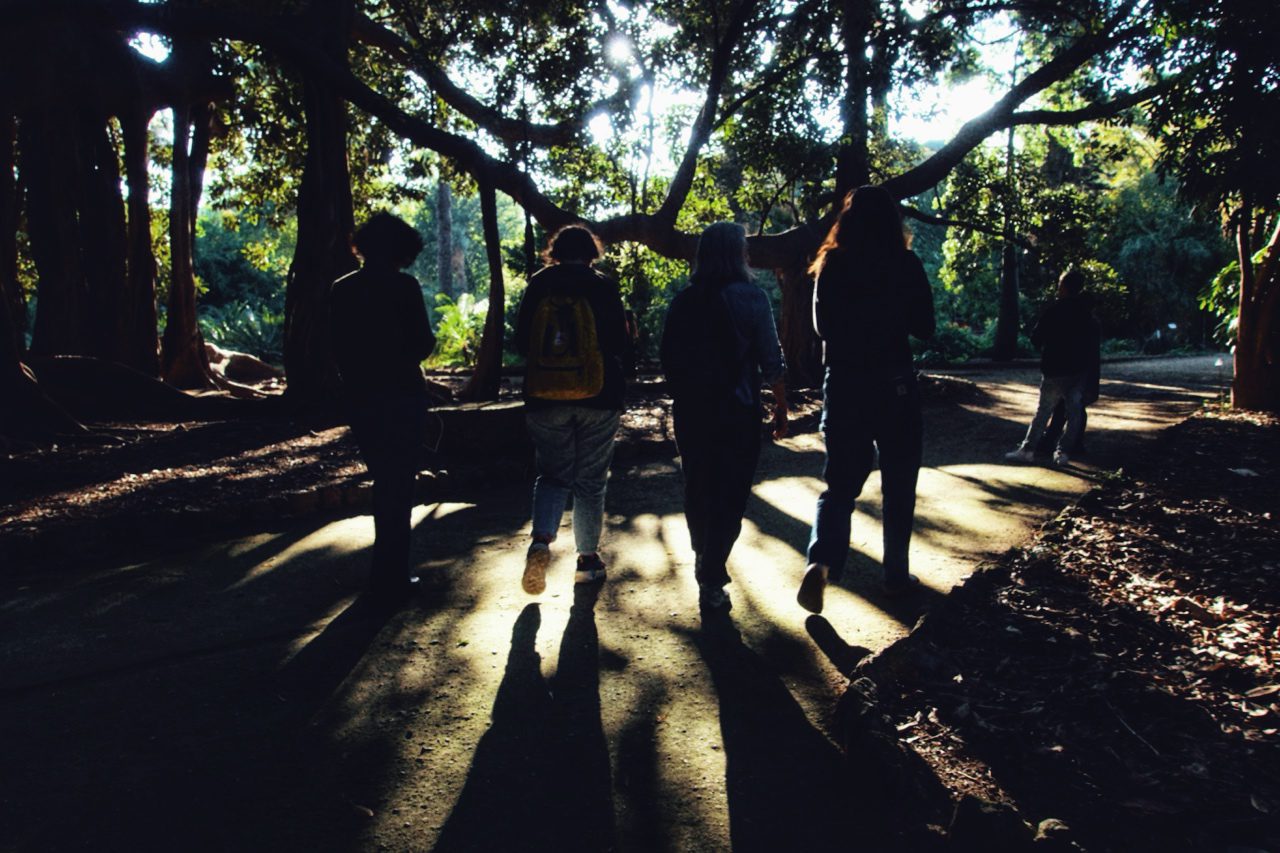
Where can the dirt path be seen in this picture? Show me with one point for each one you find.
(230, 696)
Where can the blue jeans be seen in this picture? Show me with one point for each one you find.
(1068, 390)
(573, 446)
(862, 413)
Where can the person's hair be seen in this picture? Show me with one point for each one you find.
(386, 238)
(869, 226)
(1071, 282)
(722, 255)
(572, 243)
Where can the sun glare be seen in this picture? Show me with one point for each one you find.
(151, 46)
(618, 50)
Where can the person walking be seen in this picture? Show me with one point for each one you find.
(719, 345)
(380, 334)
(572, 330)
(871, 293)
(1069, 342)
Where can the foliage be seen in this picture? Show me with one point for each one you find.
(459, 325)
(242, 327)
(241, 259)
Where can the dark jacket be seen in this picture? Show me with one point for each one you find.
(380, 333)
(865, 313)
(1068, 337)
(611, 326)
(753, 354)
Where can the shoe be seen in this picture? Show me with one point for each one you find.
(1021, 454)
(536, 561)
(811, 587)
(1060, 459)
(897, 589)
(590, 569)
(712, 597)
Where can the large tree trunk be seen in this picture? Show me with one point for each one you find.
(487, 379)
(137, 346)
(50, 166)
(103, 236)
(10, 287)
(800, 343)
(1256, 384)
(1005, 347)
(852, 163)
(26, 414)
(444, 237)
(325, 224)
(184, 363)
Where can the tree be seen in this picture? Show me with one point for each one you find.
(523, 128)
(1221, 136)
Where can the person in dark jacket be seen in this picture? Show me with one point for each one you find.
(380, 334)
(871, 293)
(1069, 342)
(572, 426)
(719, 345)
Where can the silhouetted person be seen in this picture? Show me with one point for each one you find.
(1067, 335)
(871, 293)
(719, 344)
(572, 331)
(380, 335)
(1058, 422)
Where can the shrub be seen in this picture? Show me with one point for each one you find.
(459, 326)
(245, 328)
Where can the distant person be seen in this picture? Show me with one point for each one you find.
(719, 344)
(380, 335)
(572, 331)
(1068, 338)
(871, 293)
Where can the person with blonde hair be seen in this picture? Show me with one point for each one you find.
(718, 345)
(870, 294)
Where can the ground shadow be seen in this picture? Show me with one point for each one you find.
(788, 786)
(540, 776)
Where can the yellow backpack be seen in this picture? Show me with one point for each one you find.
(565, 362)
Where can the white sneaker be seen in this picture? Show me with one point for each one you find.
(1060, 458)
(1021, 454)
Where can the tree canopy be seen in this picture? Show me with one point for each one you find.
(645, 120)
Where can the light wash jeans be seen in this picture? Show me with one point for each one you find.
(573, 446)
(1052, 390)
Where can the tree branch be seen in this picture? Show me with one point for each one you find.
(1093, 112)
(930, 219)
(682, 182)
(1000, 116)
(509, 130)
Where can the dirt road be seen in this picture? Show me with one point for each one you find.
(232, 695)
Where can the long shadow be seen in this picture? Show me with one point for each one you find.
(170, 701)
(540, 776)
(788, 786)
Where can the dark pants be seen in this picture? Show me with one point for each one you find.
(863, 413)
(390, 433)
(719, 448)
(1057, 423)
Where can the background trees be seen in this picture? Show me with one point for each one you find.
(646, 120)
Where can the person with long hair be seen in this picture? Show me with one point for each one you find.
(572, 331)
(719, 345)
(870, 294)
(380, 335)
